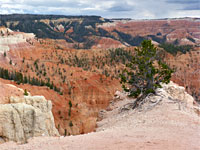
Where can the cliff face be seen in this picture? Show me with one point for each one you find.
(25, 117)
(10, 40)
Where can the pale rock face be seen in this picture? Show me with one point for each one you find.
(8, 38)
(60, 27)
(6, 90)
(120, 95)
(26, 117)
(177, 92)
(4, 30)
(169, 91)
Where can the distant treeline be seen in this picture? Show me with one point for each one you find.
(19, 78)
(22, 17)
(173, 49)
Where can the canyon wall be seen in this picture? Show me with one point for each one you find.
(87, 78)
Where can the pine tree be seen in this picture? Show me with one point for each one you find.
(144, 73)
(25, 92)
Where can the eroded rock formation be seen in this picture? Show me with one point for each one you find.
(9, 39)
(26, 117)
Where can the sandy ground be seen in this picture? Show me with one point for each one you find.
(168, 126)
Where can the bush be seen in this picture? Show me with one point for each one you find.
(144, 73)
(25, 92)
(70, 124)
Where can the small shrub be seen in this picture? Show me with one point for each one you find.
(65, 134)
(25, 92)
(70, 124)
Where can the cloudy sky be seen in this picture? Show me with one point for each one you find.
(136, 9)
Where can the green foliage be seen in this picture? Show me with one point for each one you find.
(111, 58)
(160, 39)
(23, 60)
(191, 39)
(65, 134)
(70, 124)
(19, 78)
(88, 44)
(25, 92)
(133, 41)
(173, 49)
(119, 55)
(70, 104)
(69, 112)
(36, 63)
(145, 72)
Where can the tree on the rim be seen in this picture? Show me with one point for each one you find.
(145, 73)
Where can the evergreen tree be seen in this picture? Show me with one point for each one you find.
(25, 92)
(144, 73)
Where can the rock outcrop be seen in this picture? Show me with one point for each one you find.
(9, 38)
(26, 117)
(169, 100)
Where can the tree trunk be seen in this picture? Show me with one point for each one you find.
(138, 100)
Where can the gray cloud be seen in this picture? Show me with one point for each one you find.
(186, 4)
(184, 1)
(121, 6)
(192, 7)
(50, 3)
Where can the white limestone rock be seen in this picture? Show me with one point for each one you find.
(26, 117)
